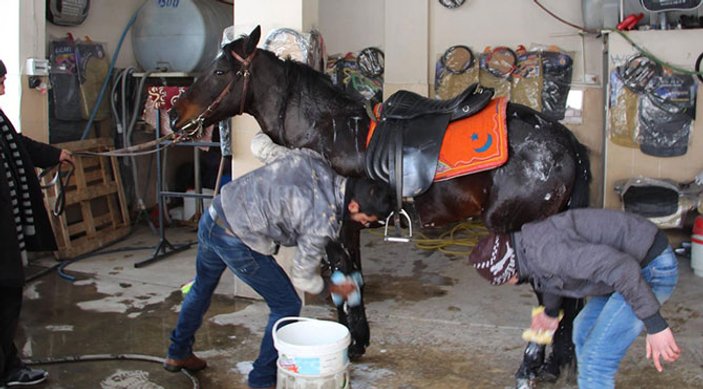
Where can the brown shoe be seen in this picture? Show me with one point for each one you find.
(192, 364)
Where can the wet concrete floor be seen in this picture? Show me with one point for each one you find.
(434, 323)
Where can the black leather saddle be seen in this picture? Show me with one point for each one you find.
(404, 148)
(409, 105)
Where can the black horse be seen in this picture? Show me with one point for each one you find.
(547, 169)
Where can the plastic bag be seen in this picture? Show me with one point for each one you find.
(556, 68)
(93, 65)
(666, 115)
(495, 68)
(307, 48)
(65, 88)
(455, 70)
(622, 112)
(527, 79)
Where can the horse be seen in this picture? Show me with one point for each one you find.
(546, 171)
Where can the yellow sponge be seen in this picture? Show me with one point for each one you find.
(539, 337)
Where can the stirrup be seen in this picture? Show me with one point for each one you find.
(398, 237)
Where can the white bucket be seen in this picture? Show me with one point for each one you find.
(290, 380)
(311, 348)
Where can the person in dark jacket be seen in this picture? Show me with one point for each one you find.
(24, 226)
(297, 200)
(622, 261)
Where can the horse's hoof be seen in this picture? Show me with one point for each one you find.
(550, 371)
(356, 351)
(524, 383)
(546, 374)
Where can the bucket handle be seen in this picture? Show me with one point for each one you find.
(285, 319)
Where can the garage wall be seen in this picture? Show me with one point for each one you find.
(105, 23)
(351, 25)
(415, 33)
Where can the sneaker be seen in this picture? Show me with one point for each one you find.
(25, 376)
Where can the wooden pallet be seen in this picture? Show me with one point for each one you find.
(95, 212)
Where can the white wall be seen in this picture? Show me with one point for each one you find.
(351, 25)
(481, 23)
(10, 55)
(105, 23)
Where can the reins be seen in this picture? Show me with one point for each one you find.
(60, 184)
(191, 129)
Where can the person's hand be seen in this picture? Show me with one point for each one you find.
(344, 289)
(542, 322)
(662, 344)
(66, 156)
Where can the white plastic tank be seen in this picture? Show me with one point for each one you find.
(179, 35)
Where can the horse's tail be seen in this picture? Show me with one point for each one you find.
(580, 193)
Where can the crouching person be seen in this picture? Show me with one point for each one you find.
(621, 261)
(295, 201)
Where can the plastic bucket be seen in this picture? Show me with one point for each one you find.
(697, 247)
(288, 380)
(310, 347)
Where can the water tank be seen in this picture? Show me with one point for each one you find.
(179, 35)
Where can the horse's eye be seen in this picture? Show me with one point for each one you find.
(219, 72)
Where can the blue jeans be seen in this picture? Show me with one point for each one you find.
(218, 250)
(607, 326)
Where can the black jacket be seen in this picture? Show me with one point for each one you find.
(33, 154)
(591, 252)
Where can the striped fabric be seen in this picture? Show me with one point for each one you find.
(16, 176)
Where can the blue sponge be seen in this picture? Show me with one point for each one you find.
(354, 298)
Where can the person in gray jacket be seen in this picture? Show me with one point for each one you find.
(297, 200)
(621, 261)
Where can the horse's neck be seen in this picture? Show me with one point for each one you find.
(310, 115)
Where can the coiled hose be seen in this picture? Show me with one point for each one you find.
(110, 357)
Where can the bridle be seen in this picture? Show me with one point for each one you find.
(194, 127)
(244, 73)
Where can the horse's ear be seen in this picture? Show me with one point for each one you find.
(253, 40)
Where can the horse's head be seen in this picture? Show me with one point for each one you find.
(221, 90)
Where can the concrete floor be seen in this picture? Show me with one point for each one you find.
(434, 323)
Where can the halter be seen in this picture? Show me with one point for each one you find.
(192, 128)
(243, 72)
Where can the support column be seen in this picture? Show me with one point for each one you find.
(406, 46)
(301, 15)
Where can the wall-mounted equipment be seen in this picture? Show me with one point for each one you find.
(67, 12)
(37, 67)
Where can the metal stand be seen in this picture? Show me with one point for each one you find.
(166, 248)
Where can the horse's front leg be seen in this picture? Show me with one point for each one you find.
(344, 256)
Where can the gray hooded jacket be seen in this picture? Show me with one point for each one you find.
(296, 200)
(591, 252)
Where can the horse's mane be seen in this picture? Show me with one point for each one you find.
(302, 74)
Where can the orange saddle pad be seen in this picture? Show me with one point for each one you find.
(475, 144)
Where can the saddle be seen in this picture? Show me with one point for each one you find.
(404, 147)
